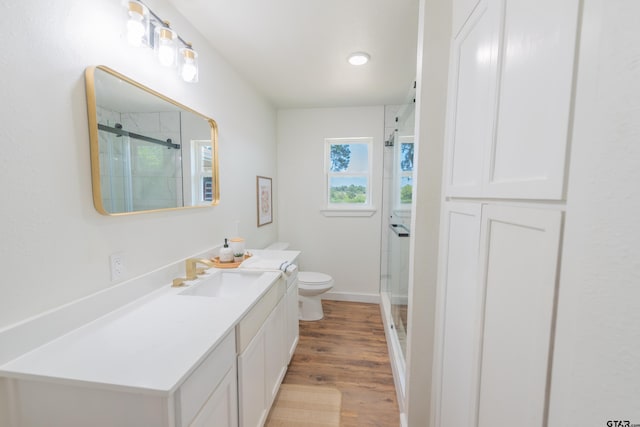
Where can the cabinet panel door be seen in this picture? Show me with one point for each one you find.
(221, 409)
(472, 101)
(197, 388)
(251, 383)
(462, 302)
(292, 316)
(275, 349)
(535, 92)
(519, 259)
(461, 11)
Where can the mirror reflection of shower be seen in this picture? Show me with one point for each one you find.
(140, 160)
(396, 228)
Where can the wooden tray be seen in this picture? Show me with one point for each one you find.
(218, 264)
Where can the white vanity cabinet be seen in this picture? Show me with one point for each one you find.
(181, 357)
(207, 397)
(263, 355)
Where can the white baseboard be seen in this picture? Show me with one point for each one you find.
(352, 297)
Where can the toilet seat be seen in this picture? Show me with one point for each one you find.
(311, 278)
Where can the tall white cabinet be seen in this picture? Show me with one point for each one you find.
(519, 256)
(510, 98)
(510, 94)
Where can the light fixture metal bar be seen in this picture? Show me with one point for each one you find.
(160, 21)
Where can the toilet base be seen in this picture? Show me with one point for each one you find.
(310, 308)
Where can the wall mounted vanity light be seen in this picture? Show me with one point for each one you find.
(145, 28)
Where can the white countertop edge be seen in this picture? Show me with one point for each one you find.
(15, 370)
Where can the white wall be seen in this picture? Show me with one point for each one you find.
(55, 247)
(346, 248)
(596, 367)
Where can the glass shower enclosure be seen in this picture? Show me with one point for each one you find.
(396, 230)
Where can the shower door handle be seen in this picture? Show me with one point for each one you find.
(400, 230)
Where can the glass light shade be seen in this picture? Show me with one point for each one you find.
(165, 45)
(359, 58)
(137, 23)
(188, 64)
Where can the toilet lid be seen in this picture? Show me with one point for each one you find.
(313, 278)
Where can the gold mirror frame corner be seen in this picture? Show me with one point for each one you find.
(98, 203)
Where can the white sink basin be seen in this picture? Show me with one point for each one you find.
(227, 285)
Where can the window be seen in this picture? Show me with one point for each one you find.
(406, 174)
(201, 176)
(348, 173)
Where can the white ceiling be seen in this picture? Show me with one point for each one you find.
(295, 51)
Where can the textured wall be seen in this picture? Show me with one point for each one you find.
(347, 248)
(55, 246)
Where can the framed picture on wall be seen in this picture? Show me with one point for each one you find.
(265, 208)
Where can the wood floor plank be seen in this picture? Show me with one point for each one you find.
(348, 350)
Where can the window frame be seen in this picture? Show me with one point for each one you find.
(199, 172)
(348, 209)
(399, 205)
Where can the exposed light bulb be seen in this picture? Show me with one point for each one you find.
(165, 46)
(189, 72)
(166, 55)
(136, 23)
(189, 64)
(135, 32)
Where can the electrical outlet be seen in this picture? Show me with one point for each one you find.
(117, 266)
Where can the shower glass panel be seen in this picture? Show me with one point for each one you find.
(116, 181)
(137, 172)
(397, 203)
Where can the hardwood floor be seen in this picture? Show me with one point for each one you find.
(347, 350)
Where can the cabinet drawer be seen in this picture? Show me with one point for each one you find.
(197, 388)
(253, 321)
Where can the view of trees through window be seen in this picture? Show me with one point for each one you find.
(406, 166)
(348, 173)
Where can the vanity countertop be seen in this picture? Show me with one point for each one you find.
(150, 345)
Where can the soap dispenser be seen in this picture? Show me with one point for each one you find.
(226, 253)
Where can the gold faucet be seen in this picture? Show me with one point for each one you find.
(192, 270)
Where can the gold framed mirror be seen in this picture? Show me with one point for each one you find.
(148, 152)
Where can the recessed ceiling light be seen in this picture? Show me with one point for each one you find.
(359, 58)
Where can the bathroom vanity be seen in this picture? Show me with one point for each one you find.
(211, 353)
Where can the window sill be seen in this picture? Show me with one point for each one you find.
(344, 212)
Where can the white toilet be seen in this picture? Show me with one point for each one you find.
(310, 286)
